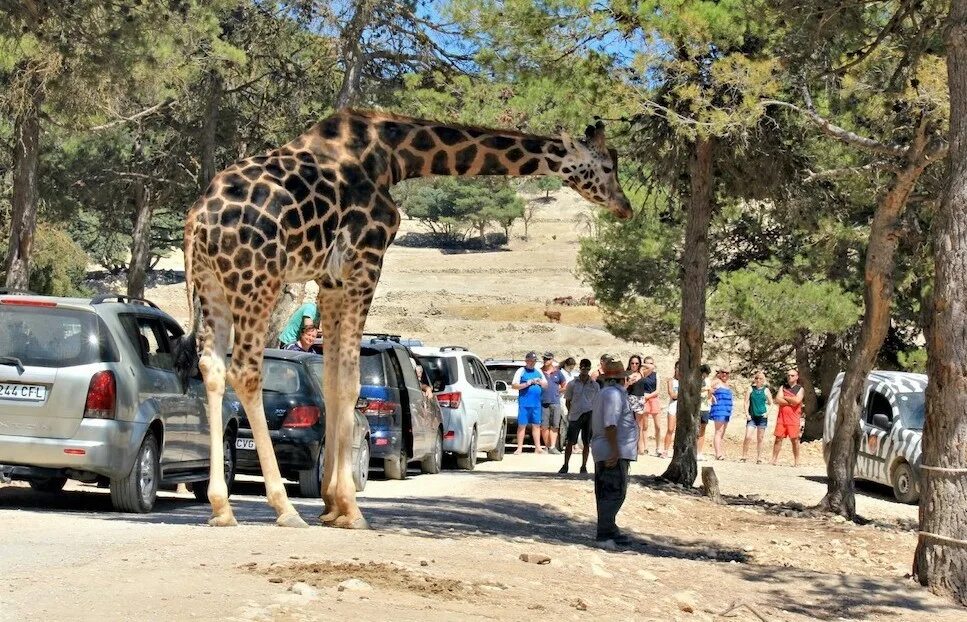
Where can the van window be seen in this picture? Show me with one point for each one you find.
(54, 336)
(912, 409)
(878, 404)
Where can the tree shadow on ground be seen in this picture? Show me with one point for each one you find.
(433, 517)
(826, 596)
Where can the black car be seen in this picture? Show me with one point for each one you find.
(295, 412)
(405, 424)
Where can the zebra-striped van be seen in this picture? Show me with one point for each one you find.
(892, 425)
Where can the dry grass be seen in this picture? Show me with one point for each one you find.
(573, 316)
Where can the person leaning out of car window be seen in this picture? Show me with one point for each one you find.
(307, 337)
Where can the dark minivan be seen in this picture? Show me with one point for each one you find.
(405, 425)
(295, 412)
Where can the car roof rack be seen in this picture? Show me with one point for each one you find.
(382, 337)
(102, 298)
(13, 291)
(454, 349)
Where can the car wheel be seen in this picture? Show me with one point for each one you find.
(395, 467)
(200, 489)
(905, 484)
(49, 484)
(137, 491)
(497, 453)
(361, 472)
(468, 461)
(433, 463)
(562, 434)
(310, 480)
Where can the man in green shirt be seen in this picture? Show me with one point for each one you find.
(290, 333)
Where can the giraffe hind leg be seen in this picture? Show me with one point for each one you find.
(214, 335)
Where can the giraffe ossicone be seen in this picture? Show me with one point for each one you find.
(319, 209)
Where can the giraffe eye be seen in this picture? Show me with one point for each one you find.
(607, 170)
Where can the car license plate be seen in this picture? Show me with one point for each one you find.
(23, 392)
(245, 443)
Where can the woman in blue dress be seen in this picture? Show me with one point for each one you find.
(721, 410)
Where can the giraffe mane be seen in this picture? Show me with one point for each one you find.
(392, 116)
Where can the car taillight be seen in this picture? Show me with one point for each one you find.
(101, 396)
(449, 400)
(301, 417)
(376, 407)
(27, 302)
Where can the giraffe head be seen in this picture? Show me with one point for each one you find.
(590, 168)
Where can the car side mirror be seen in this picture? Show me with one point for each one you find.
(500, 385)
(882, 421)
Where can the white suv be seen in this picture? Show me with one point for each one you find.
(473, 419)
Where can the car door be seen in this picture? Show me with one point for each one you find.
(878, 416)
(491, 412)
(197, 427)
(473, 398)
(409, 388)
(159, 389)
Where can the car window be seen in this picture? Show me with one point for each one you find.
(878, 404)
(469, 371)
(503, 372)
(441, 370)
(486, 382)
(280, 376)
(912, 408)
(150, 340)
(53, 336)
(370, 367)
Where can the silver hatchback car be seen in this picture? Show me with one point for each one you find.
(89, 391)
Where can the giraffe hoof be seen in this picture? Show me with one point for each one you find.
(328, 517)
(345, 522)
(222, 521)
(291, 520)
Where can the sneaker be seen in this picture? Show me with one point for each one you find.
(554, 451)
(584, 470)
(563, 469)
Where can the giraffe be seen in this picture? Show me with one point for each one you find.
(319, 208)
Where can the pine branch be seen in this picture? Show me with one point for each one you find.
(842, 134)
(134, 117)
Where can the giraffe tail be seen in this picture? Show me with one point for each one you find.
(185, 349)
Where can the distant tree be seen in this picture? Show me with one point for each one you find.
(449, 206)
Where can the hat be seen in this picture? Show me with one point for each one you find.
(614, 369)
(531, 355)
(548, 356)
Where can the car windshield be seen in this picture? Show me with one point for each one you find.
(52, 336)
(912, 409)
(503, 372)
(370, 368)
(441, 370)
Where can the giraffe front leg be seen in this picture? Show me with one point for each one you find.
(213, 339)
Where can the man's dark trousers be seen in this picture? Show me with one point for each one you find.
(610, 488)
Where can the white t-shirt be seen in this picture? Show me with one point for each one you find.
(582, 396)
(611, 408)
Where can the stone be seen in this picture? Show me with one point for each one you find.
(275, 579)
(686, 600)
(599, 571)
(304, 589)
(354, 585)
(580, 605)
(535, 558)
(424, 563)
(836, 518)
(647, 576)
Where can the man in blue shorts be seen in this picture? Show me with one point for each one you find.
(529, 382)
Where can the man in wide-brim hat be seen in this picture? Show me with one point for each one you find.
(614, 445)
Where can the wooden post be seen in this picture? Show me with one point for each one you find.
(710, 485)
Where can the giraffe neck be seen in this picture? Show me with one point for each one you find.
(434, 149)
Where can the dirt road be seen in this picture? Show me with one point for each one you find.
(448, 547)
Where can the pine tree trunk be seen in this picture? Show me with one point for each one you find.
(683, 468)
(943, 509)
(820, 376)
(806, 379)
(878, 297)
(353, 56)
(293, 295)
(140, 241)
(23, 208)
